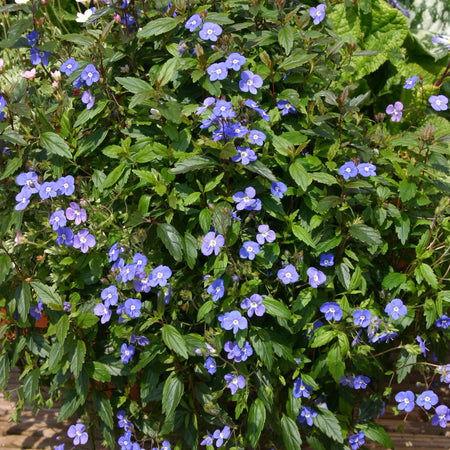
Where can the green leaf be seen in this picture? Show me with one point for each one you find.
(335, 362)
(97, 371)
(376, 433)
(48, 295)
(204, 219)
(323, 178)
(5, 267)
(78, 358)
(326, 422)
(172, 393)
(134, 85)
(429, 275)
(343, 274)
(55, 144)
(4, 370)
(30, 384)
(259, 168)
(103, 409)
(256, 421)
(407, 190)
(276, 309)
(55, 356)
(402, 227)
(393, 280)
(300, 175)
(365, 234)
(297, 59)
(86, 320)
(301, 234)
(83, 40)
(290, 433)
(62, 327)
(286, 38)
(193, 163)
(23, 300)
(321, 338)
(167, 71)
(171, 239)
(158, 26)
(13, 165)
(205, 309)
(114, 176)
(174, 340)
(69, 406)
(190, 250)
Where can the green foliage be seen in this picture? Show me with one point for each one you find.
(157, 175)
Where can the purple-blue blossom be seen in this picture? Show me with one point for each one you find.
(23, 199)
(69, 66)
(115, 250)
(245, 155)
(427, 399)
(126, 353)
(265, 234)
(439, 102)
(65, 236)
(395, 111)
(28, 180)
(212, 243)
(250, 82)
(348, 170)
(83, 240)
(210, 31)
(288, 274)
(410, 82)
(443, 322)
(367, 170)
(306, 415)
(210, 366)
(362, 317)
(88, 99)
(48, 189)
(326, 259)
(216, 289)
(217, 71)
(234, 383)
(102, 311)
(78, 434)
(301, 389)
(441, 416)
(257, 137)
(405, 400)
(285, 107)
(356, 440)
(90, 75)
(39, 56)
(316, 277)
(223, 434)
(66, 185)
(395, 308)
(317, 13)
(235, 61)
(332, 311)
(193, 22)
(234, 321)
(443, 39)
(57, 219)
(278, 189)
(133, 307)
(159, 276)
(249, 250)
(245, 200)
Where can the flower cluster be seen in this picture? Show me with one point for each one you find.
(350, 170)
(220, 435)
(358, 382)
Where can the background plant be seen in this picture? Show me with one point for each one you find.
(241, 215)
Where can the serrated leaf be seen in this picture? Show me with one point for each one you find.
(365, 234)
(193, 163)
(429, 275)
(190, 250)
(97, 371)
(205, 309)
(172, 393)
(158, 26)
(290, 434)
(171, 239)
(174, 340)
(103, 409)
(134, 85)
(263, 349)
(23, 300)
(335, 362)
(55, 144)
(376, 433)
(393, 280)
(301, 234)
(286, 38)
(259, 168)
(343, 274)
(4, 370)
(62, 327)
(407, 190)
(30, 384)
(300, 175)
(327, 422)
(297, 59)
(78, 357)
(114, 176)
(48, 295)
(256, 421)
(276, 309)
(69, 406)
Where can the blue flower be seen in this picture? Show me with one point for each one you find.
(32, 37)
(348, 170)
(220, 435)
(301, 389)
(245, 155)
(235, 61)
(245, 200)
(224, 109)
(102, 311)
(439, 102)
(234, 383)
(405, 400)
(36, 311)
(28, 180)
(249, 82)
(210, 366)
(193, 22)
(140, 340)
(410, 82)
(69, 66)
(253, 105)
(326, 259)
(216, 289)
(441, 417)
(395, 308)
(210, 31)
(78, 83)
(347, 381)
(306, 415)
(442, 39)
(90, 74)
(88, 99)
(362, 317)
(443, 322)
(278, 189)
(139, 261)
(48, 189)
(254, 305)
(66, 186)
(123, 421)
(133, 307)
(212, 243)
(288, 274)
(207, 440)
(127, 272)
(332, 311)
(125, 441)
(249, 250)
(23, 199)
(39, 56)
(2, 105)
(265, 234)
(57, 219)
(65, 236)
(356, 440)
(234, 321)
(217, 71)
(395, 111)
(237, 353)
(285, 107)
(427, 399)
(142, 284)
(317, 13)
(367, 170)
(257, 137)
(78, 433)
(83, 240)
(360, 382)
(316, 277)
(126, 353)
(160, 275)
(114, 252)
(209, 101)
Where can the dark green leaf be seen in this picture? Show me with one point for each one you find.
(69, 406)
(190, 250)
(134, 85)
(429, 275)
(256, 421)
(290, 433)
(103, 409)
(376, 433)
(276, 309)
(407, 190)
(326, 422)
(78, 358)
(303, 235)
(55, 144)
(343, 274)
(365, 234)
(4, 370)
(23, 299)
(286, 38)
(86, 320)
(171, 239)
(98, 371)
(173, 339)
(158, 26)
(300, 175)
(62, 327)
(114, 176)
(172, 393)
(30, 384)
(48, 295)
(205, 309)
(393, 280)
(259, 168)
(335, 362)
(193, 163)
(297, 59)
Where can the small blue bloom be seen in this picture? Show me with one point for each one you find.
(140, 340)
(28, 180)
(234, 321)
(114, 252)
(288, 274)
(32, 37)
(210, 366)
(317, 13)
(326, 259)
(127, 272)
(69, 66)
(439, 102)
(332, 311)
(250, 82)
(441, 417)
(139, 261)
(443, 322)
(217, 71)
(367, 170)
(316, 277)
(410, 82)
(90, 74)
(57, 219)
(102, 311)
(235, 61)
(301, 389)
(39, 56)
(23, 199)
(88, 99)
(123, 421)
(234, 383)
(126, 353)
(360, 382)
(160, 275)
(224, 109)
(249, 250)
(306, 415)
(348, 170)
(210, 31)
(212, 243)
(405, 400)
(133, 307)
(65, 236)
(66, 186)
(285, 107)
(356, 440)
(395, 308)
(257, 137)
(427, 399)
(265, 234)
(193, 22)
(254, 305)
(48, 189)
(278, 189)
(245, 155)
(216, 289)
(362, 317)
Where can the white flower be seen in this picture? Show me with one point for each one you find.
(21, 2)
(82, 18)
